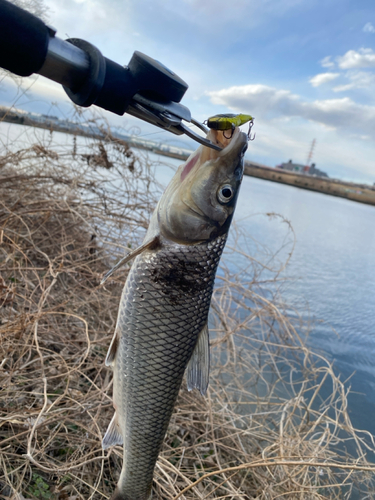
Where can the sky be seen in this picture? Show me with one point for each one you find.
(305, 69)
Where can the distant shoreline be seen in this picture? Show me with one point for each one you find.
(356, 192)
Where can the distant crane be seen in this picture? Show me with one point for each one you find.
(311, 152)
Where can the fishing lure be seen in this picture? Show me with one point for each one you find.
(229, 122)
(226, 122)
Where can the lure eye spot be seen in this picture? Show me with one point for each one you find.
(225, 193)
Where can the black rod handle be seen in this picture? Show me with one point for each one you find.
(65, 63)
(23, 40)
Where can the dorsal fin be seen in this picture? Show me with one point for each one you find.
(146, 246)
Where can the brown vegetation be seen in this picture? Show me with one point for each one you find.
(275, 422)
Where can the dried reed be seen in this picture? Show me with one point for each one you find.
(275, 421)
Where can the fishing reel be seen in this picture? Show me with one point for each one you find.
(145, 88)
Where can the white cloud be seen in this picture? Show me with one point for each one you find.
(343, 88)
(92, 19)
(358, 80)
(267, 103)
(327, 63)
(37, 88)
(259, 99)
(323, 78)
(364, 58)
(368, 28)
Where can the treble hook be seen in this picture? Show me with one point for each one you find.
(232, 131)
(251, 123)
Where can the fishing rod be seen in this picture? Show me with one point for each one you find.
(145, 88)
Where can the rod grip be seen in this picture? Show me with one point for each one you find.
(23, 40)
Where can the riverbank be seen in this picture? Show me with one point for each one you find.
(334, 187)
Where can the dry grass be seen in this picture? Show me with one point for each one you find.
(275, 422)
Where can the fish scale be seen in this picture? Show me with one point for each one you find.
(163, 308)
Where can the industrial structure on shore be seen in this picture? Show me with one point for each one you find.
(307, 169)
(302, 169)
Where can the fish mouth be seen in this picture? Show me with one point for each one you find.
(237, 143)
(232, 147)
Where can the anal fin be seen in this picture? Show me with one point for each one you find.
(113, 435)
(198, 369)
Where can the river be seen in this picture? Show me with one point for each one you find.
(332, 277)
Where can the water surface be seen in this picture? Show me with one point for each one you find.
(332, 271)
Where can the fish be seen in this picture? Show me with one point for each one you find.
(161, 329)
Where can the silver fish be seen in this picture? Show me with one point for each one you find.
(162, 322)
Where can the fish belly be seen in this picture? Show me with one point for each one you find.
(163, 309)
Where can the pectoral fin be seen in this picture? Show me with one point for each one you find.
(149, 245)
(113, 435)
(198, 369)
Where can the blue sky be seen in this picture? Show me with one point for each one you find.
(305, 69)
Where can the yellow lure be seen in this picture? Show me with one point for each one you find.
(227, 122)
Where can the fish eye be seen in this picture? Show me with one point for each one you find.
(225, 193)
(244, 149)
